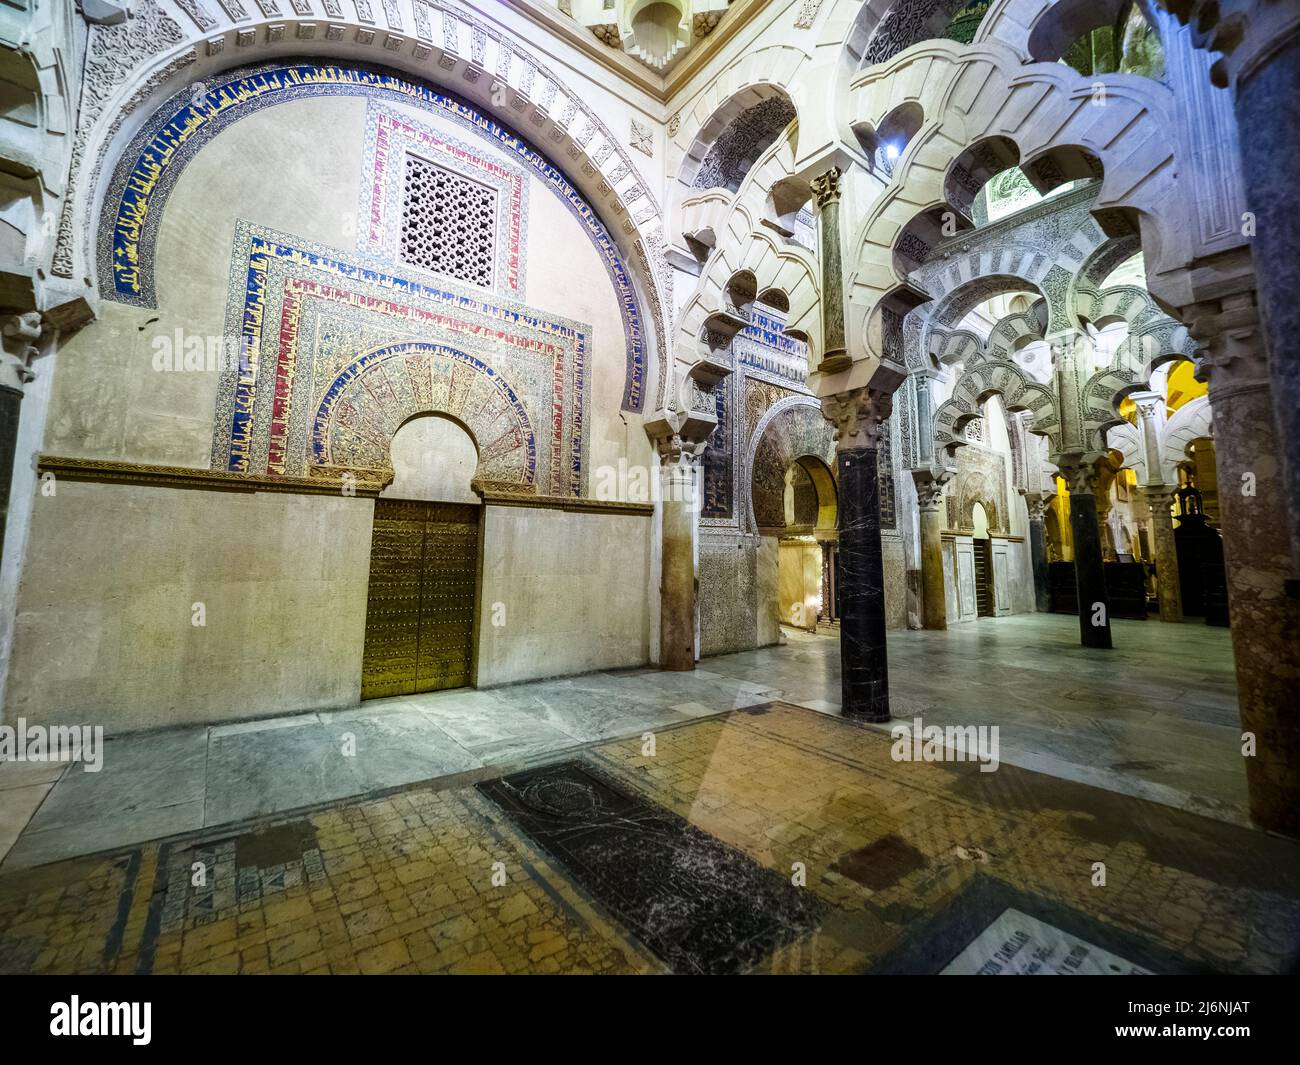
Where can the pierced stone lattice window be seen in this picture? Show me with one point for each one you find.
(448, 223)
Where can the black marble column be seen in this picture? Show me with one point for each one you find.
(10, 405)
(863, 661)
(1089, 574)
(1038, 557)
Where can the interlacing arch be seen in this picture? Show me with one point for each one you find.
(1098, 265)
(1153, 337)
(1047, 112)
(880, 29)
(1183, 428)
(1011, 334)
(1043, 30)
(951, 346)
(755, 91)
(1191, 422)
(1153, 341)
(989, 377)
(751, 257)
(947, 312)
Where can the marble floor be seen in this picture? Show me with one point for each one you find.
(1154, 718)
(771, 839)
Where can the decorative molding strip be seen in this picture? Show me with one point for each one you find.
(323, 480)
(497, 494)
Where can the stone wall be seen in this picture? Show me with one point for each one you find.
(262, 317)
(737, 575)
(142, 607)
(571, 592)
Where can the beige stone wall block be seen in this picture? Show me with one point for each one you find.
(566, 274)
(574, 590)
(105, 634)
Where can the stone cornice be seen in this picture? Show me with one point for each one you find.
(573, 33)
(323, 481)
(497, 495)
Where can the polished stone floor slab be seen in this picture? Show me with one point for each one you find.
(794, 842)
(1154, 718)
(255, 773)
(394, 747)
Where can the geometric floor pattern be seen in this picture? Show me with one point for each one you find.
(904, 867)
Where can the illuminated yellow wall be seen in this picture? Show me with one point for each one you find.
(1061, 508)
(1181, 387)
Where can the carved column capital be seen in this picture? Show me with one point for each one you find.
(1159, 497)
(677, 450)
(929, 489)
(1149, 404)
(21, 336)
(680, 437)
(1081, 477)
(1230, 352)
(1038, 504)
(826, 187)
(858, 416)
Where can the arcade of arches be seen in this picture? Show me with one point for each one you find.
(373, 369)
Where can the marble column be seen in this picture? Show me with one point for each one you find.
(1255, 47)
(929, 499)
(1038, 505)
(20, 334)
(1264, 619)
(824, 613)
(1089, 574)
(826, 200)
(680, 439)
(1159, 499)
(857, 416)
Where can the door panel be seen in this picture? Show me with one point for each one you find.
(447, 598)
(393, 603)
(420, 606)
(966, 599)
(983, 579)
(1001, 580)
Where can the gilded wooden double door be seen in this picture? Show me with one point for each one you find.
(420, 607)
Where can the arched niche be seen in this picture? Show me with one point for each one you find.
(434, 459)
(794, 431)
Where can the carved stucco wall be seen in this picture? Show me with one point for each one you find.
(170, 44)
